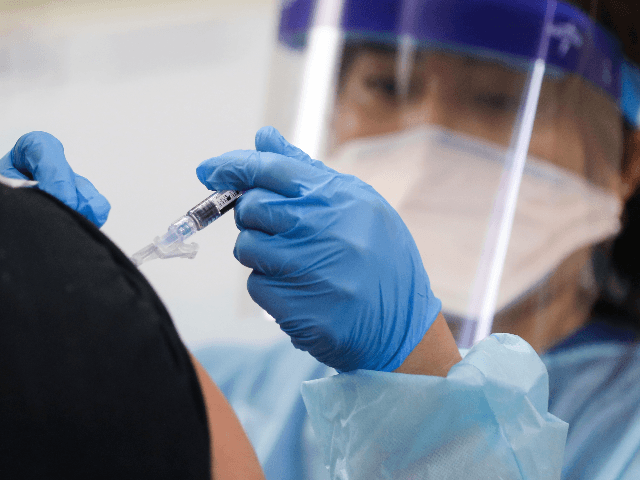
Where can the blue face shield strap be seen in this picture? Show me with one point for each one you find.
(630, 100)
(505, 30)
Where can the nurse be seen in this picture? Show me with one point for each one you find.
(503, 133)
(503, 187)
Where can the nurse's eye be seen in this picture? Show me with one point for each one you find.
(500, 103)
(385, 86)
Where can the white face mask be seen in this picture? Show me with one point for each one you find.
(443, 186)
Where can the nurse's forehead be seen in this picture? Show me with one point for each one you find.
(386, 60)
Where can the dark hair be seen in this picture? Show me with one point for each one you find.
(617, 261)
(621, 17)
(616, 265)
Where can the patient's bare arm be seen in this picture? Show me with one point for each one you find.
(232, 456)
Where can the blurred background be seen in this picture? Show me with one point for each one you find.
(139, 93)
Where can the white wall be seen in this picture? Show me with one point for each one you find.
(139, 93)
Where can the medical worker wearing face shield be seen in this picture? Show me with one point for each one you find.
(497, 147)
(503, 134)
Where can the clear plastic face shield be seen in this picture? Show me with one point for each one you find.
(493, 127)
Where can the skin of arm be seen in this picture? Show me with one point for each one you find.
(435, 354)
(232, 455)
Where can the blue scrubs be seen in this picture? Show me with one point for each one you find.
(592, 385)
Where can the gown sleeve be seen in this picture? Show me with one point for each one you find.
(487, 419)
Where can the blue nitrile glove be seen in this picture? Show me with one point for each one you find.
(332, 261)
(39, 156)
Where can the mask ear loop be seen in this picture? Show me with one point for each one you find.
(484, 293)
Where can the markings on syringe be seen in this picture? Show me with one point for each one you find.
(226, 198)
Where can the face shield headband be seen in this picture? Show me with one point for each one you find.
(507, 31)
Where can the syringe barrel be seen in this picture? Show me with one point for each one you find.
(213, 207)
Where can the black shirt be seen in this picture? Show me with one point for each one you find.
(94, 379)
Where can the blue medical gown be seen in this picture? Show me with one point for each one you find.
(487, 419)
(594, 385)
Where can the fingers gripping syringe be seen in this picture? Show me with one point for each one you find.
(171, 244)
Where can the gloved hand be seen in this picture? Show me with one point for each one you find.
(39, 156)
(332, 261)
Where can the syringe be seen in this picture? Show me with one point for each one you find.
(171, 244)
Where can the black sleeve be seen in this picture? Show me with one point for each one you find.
(94, 381)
